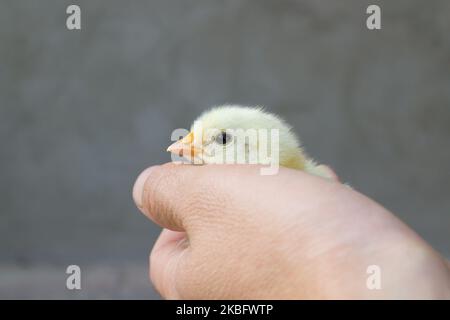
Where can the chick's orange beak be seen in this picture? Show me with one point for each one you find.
(185, 147)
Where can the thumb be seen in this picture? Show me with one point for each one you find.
(161, 193)
(180, 197)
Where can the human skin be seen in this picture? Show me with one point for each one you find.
(231, 233)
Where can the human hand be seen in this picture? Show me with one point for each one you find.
(231, 233)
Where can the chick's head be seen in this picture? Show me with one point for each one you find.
(237, 134)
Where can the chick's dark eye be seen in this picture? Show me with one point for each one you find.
(223, 138)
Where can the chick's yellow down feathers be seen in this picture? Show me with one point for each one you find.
(213, 137)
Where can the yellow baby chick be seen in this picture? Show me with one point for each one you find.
(237, 134)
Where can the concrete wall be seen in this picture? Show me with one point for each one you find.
(83, 112)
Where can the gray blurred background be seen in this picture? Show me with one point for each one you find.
(83, 112)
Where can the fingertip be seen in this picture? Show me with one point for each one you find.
(157, 193)
(138, 188)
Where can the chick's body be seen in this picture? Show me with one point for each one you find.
(214, 137)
